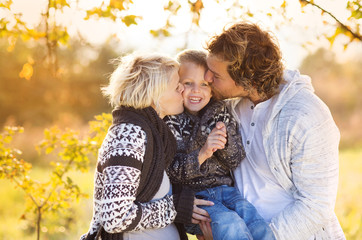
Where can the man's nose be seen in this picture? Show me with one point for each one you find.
(208, 76)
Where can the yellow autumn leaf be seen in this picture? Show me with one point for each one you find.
(27, 71)
(303, 3)
(12, 42)
(284, 4)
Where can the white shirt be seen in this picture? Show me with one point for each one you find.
(258, 184)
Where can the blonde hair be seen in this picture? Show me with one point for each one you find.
(139, 80)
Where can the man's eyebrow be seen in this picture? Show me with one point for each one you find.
(215, 73)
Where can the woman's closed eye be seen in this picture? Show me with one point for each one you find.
(179, 87)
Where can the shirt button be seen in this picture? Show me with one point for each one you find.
(252, 107)
(248, 142)
(252, 124)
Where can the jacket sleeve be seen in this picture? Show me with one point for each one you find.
(313, 173)
(233, 152)
(185, 165)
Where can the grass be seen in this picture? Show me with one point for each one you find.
(349, 205)
(75, 221)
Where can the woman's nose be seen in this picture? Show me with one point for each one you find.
(208, 76)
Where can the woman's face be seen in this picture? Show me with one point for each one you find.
(171, 101)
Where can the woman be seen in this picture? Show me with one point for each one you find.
(132, 193)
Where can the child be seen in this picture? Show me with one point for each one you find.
(208, 148)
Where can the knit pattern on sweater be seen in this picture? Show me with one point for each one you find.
(121, 156)
(191, 133)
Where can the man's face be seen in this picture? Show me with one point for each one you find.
(222, 84)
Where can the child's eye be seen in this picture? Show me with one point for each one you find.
(187, 83)
(204, 84)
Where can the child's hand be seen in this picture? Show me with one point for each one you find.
(216, 140)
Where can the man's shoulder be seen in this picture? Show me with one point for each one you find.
(307, 107)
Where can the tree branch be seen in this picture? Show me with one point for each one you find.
(343, 26)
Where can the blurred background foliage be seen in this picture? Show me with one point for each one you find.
(51, 76)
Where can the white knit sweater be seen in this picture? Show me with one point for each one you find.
(115, 207)
(301, 144)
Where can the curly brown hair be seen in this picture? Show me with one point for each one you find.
(254, 57)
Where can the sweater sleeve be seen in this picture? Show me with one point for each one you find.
(118, 178)
(314, 173)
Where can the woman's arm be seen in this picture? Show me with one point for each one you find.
(122, 158)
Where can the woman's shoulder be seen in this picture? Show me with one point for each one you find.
(125, 139)
(126, 132)
(122, 128)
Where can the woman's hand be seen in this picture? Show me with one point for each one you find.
(200, 214)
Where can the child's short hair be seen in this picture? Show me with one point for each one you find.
(139, 80)
(194, 56)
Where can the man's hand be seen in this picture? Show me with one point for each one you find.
(216, 140)
(206, 230)
(200, 214)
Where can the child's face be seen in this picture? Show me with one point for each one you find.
(197, 92)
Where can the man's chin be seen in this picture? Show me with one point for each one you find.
(218, 96)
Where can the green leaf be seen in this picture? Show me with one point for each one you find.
(129, 20)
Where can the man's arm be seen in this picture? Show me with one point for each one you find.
(314, 173)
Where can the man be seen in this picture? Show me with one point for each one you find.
(290, 173)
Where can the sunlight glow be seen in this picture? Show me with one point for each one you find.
(302, 31)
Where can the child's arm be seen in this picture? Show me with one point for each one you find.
(215, 141)
(233, 152)
(185, 165)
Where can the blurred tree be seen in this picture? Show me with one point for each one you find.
(71, 151)
(52, 33)
(351, 29)
(41, 101)
(339, 86)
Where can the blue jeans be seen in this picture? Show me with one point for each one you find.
(232, 216)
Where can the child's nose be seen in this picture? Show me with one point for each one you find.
(196, 88)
